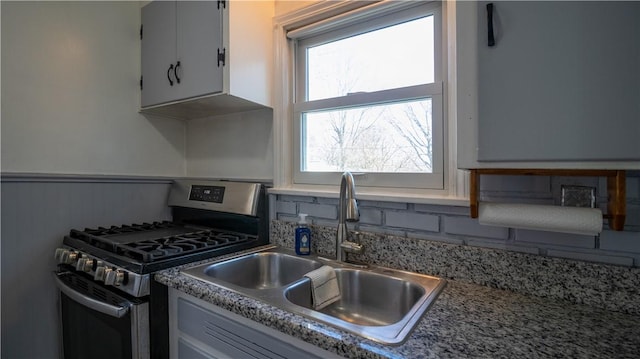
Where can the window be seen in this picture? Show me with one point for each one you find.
(368, 98)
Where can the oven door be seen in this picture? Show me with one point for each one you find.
(98, 322)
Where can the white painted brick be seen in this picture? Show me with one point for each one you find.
(287, 218)
(286, 207)
(531, 184)
(329, 223)
(419, 221)
(470, 227)
(432, 208)
(625, 241)
(319, 210)
(555, 238)
(272, 206)
(592, 257)
(370, 216)
(381, 230)
(288, 198)
(633, 215)
(492, 197)
(633, 187)
(379, 204)
(332, 201)
(601, 192)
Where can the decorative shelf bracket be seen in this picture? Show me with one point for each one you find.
(616, 187)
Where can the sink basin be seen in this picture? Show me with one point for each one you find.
(381, 304)
(377, 303)
(259, 271)
(368, 299)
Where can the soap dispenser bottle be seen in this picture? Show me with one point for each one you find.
(303, 236)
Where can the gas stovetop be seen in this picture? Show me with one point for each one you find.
(210, 218)
(152, 242)
(149, 247)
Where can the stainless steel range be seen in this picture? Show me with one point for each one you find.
(110, 305)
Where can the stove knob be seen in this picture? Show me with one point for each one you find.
(80, 264)
(84, 264)
(119, 279)
(109, 276)
(68, 257)
(88, 265)
(99, 275)
(59, 253)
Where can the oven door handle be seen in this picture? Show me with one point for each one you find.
(105, 308)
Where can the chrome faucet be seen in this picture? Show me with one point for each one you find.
(347, 212)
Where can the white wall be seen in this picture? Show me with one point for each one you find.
(235, 146)
(285, 6)
(70, 94)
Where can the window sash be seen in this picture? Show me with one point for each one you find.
(433, 180)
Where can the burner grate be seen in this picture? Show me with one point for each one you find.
(103, 238)
(151, 242)
(161, 248)
(132, 228)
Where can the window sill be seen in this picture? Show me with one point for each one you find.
(376, 194)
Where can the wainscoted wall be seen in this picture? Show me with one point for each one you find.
(36, 213)
(453, 224)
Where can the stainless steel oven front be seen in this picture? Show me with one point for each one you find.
(98, 322)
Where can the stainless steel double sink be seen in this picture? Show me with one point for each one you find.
(377, 303)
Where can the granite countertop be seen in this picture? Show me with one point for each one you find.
(467, 320)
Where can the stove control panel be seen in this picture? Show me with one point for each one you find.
(104, 272)
(221, 196)
(214, 194)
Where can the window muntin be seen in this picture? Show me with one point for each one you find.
(372, 93)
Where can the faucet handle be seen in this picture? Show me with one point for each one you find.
(356, 246)
(352, 247)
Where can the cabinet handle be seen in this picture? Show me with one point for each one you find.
(491, 41)
(175, 72)
(169, 75)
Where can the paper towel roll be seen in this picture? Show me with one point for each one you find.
(587, 221)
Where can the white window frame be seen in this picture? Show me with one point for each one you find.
(389, 16)
(319, 16)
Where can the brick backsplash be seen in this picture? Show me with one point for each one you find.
(452, 224)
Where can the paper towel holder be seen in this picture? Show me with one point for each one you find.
(616, 187)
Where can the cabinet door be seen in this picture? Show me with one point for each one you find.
(562, 82)
(158, 51)
(198, 329)
(199, 31)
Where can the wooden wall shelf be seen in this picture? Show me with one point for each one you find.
(616, 187)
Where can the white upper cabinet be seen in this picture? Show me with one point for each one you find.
(559, 88)
(205, 58)
(179, 51)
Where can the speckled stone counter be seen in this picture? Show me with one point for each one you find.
(598, 285)
(467, 320)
